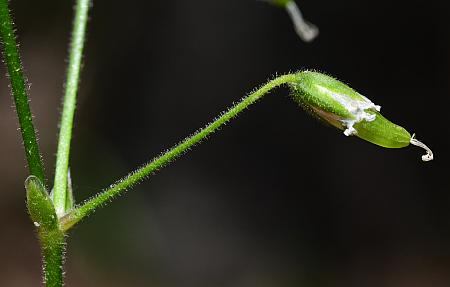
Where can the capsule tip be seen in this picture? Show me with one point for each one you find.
(426, 157)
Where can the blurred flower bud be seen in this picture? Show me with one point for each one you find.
(305, 30)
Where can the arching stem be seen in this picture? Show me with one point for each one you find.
(140, 174)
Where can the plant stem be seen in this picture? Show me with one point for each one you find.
(53, 250)
(138, 175)
(20, 92)
(69, 104)
(42, 213)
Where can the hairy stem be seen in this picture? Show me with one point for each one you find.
(69, 104)
(20, 92)
(53, 250)
(43, 215)
(138, 175)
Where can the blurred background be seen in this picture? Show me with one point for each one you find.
(274, 198)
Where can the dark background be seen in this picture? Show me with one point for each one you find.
(274, 198)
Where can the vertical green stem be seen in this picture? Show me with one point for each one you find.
(53, 248)
(20, 92)
(69, 104)
(43, 215)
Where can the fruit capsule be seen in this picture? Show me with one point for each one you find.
(342, 107)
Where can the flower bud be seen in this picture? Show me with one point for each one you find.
(342, 107)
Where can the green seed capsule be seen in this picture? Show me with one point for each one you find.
(339, 105)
